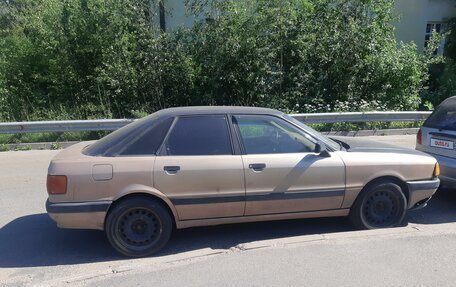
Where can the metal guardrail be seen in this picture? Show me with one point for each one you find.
(110, 125)
(362, 117)
(62, 126)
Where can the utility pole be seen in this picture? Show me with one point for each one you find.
(161, 12)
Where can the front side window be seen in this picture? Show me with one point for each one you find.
(267, 134)
(199, 135)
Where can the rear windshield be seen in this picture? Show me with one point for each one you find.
(444, 117)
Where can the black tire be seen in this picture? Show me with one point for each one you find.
(381, 205)
(138, 226)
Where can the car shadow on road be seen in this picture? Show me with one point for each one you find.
(34, 240)
(227, 236)
(440, 209)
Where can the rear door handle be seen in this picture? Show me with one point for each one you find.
(171, 169)
(257, 166)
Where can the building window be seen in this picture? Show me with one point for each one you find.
(434, 27)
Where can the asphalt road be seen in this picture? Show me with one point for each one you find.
(311, 252)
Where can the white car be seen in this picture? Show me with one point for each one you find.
(437, 137)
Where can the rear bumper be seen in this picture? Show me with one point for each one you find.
(81, 215)
(421, 191)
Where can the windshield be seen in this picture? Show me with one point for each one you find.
(444, 117)
(327, 141)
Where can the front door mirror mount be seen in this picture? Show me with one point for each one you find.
(320, 148)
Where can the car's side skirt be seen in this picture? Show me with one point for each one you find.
(259, 197)
(266, 217)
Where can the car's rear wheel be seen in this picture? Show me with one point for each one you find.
(138, 227)
(381, 205)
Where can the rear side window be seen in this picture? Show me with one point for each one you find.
(199, 135)
(149, 141)
(444, 117)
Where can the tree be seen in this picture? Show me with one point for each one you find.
(304, 52)
(447, 81)
(86, 59)
(64, 59)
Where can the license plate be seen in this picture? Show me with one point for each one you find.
(442, 143)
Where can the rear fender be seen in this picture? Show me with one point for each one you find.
(143, 189)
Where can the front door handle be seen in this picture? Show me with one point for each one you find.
(257, 166)
(171, 169)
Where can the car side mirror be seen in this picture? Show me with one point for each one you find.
(320, 148)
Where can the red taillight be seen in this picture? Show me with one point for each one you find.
(56, 184)
(418, 137)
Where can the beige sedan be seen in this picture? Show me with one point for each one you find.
(196, 166)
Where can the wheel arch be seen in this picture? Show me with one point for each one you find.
(387, 178)
(145, 194)
(357, 213)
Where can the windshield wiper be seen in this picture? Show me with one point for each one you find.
(342, 144)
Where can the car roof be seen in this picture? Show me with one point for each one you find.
(449, 101)
(205, 110)
(116, 140)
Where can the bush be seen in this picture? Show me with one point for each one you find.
(289, 54)
(446, 82)
(78, 59)
(86, 59)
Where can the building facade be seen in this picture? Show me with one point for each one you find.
(419, 18)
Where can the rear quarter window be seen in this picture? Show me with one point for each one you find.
(142, 137)
(149, 141)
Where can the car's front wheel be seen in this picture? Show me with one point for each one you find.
(381, 205)
(138, 226)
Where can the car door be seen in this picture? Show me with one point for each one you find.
(198, 169)
(282, 172)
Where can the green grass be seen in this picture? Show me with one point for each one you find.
(49, 137)
(22, 148)
(328, 127)
(4, 147)
(55, 146)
